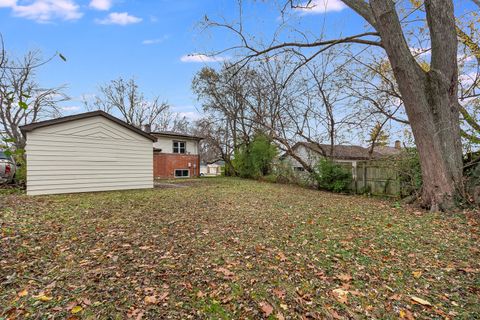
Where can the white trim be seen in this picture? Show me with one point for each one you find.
(175, 173)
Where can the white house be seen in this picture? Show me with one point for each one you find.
(92, 151)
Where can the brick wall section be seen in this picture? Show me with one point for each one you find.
(164, 164)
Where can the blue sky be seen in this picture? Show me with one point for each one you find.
(149, 39)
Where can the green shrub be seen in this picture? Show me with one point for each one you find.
(332, 176)
(255, 159)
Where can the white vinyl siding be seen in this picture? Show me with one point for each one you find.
(92, 154)
(166, 145)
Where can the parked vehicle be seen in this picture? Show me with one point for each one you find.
(7, 168)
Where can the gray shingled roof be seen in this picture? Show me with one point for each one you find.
(175, 134)
(349, 152)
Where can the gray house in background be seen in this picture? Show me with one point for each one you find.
(366, 167)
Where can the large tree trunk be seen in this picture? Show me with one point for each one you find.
(430, 98)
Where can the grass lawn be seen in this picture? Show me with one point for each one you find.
(223, 248)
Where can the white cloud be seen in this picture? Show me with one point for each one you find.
(322, 6)
(190, 115)
(201, 58)
(155, 41)
(44, 11)
(120, 18)
(71, 108)
(101, 4)
(8, 3)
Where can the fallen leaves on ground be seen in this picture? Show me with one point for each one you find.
(341, 295)
(227, 248)
(421, 301)
(76, 309)
(266, 308)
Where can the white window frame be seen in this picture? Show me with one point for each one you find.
(175, 173)
(178, 142)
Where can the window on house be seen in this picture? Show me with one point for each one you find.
(179, 146)
(182, 173)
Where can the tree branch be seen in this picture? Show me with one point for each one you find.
(362, 8)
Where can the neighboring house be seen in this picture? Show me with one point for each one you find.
(311, 153)
(369, 170)
(212, 169)
(175, 155)
(92, 151)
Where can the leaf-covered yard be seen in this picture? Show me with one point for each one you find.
(230, 248)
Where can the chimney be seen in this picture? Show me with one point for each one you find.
(398, 145)
(147, 128)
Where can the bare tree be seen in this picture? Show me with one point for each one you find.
(124, 96)
(225, 95)
(22, 100)
(430, 96)
(266, 98)
(216, 143)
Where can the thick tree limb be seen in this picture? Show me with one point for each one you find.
(441, 23)
(362, 8)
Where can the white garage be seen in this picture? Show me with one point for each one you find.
(92, 151)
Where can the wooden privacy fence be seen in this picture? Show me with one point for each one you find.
(376, 177)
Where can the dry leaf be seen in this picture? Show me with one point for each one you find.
(150, 300)
(334, 314)
(344, 277)
(406, 314)
(135, 313)
(341, 295)
(420, 301)
(279, 293)
(266, 308)
(163, 296)
(43, 298)
(417, 274)
(23, 293)
(227, 273)
(280, 316)
(76, 309)
(396, 297)
(282, 257)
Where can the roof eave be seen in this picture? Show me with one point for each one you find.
(32, 126)
(161, 134)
